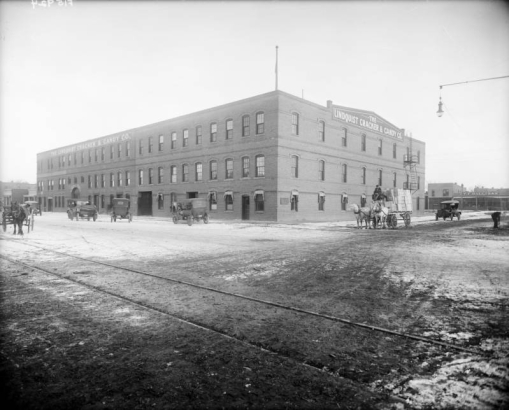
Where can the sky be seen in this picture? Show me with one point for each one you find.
(78, 70)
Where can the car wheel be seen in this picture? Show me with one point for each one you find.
(436, 217)
(459, 217)
(175, 220)
(205, 219)
(190, 220)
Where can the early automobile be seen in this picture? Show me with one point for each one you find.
(81, 209)
(34, 207)
(191, 210)
(448, 209)
(121, 209)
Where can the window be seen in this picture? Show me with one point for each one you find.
(379, 147)
(418, 203)
(394, 179)
(128, 148)
(228, 201)
(213, 170)
(344, 171)
(102, 153)
(69, 160)
(111, 151)
(82, 158)
(150, 144)
(89, 156)
(82, 179)
(363, 175)
(245, 167)
(140, 147)
(173, 140)
(229, 129)
(260, 166)
(160, 174)
(394, 150)
(127, 178)
(212, 200)
(119, 178)
(140, 177)
(228, 169)
(161, 143)
(112, 179)
(90, 181)
(213, 132)
(259, 201)
(321, 131)
(363, 142)
(321, 170)
(260, 123)
(445, 192)
(173, 174)
(418, 157)
(119, 150)
(245, 126)
(321, 201)
(295, 166)
(160, 201)
(344, 201)
(150, 176)
(185, 138)
(344, 138)
(198, 135)
(198, 171)
(295, 123)
(185, 173)
(103, 201)
(380, 177)
(418, 182)
(96, 154)
(96, 181)
(294, 201)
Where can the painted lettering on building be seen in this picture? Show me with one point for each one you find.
(92, 144)
(369, 122)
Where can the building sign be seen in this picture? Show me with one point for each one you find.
(92, 144)
(479, 193)
(370, 122)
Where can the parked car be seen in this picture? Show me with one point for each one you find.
(191, 210)
(121, 209)
(448, 209)
(81, 209)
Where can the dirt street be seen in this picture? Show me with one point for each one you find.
(255, 315)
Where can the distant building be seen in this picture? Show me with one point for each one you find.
(272, 157)
(17, 192)
(489, 199)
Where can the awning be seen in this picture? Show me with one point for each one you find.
(228, 193)
(294, 193)
(213, 195)
(259, 192)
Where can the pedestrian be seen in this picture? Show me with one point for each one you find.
(496, 219)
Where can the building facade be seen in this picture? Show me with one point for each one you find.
(272, 157)
(16, 192)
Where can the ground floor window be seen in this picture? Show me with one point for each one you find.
(160, 201)
(212, 201)
(363, 200)
(321, 201)
(228, 201)
(294, 202)
(259, 201)
(344, 202)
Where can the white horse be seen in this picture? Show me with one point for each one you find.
(362, 214)
(380, 213)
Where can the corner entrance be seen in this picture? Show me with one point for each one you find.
(145, 203)
(245, 207)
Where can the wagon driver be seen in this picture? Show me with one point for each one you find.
(377, 193)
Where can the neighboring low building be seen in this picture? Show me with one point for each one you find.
(489, 199)
(17, 192)
(272, 157)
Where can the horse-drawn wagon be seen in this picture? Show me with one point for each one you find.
(398, 202)
(191, 210)
(17, 216)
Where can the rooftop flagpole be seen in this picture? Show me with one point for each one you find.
(276, 65)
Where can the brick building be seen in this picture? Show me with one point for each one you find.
(272, 157)
(481, 198)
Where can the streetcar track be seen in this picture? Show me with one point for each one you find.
(244, 297)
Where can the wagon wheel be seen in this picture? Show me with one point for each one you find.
(393, 221)
(459, 216)
(406, 219)
(190, 220)
(175, 219)
(205, 219)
